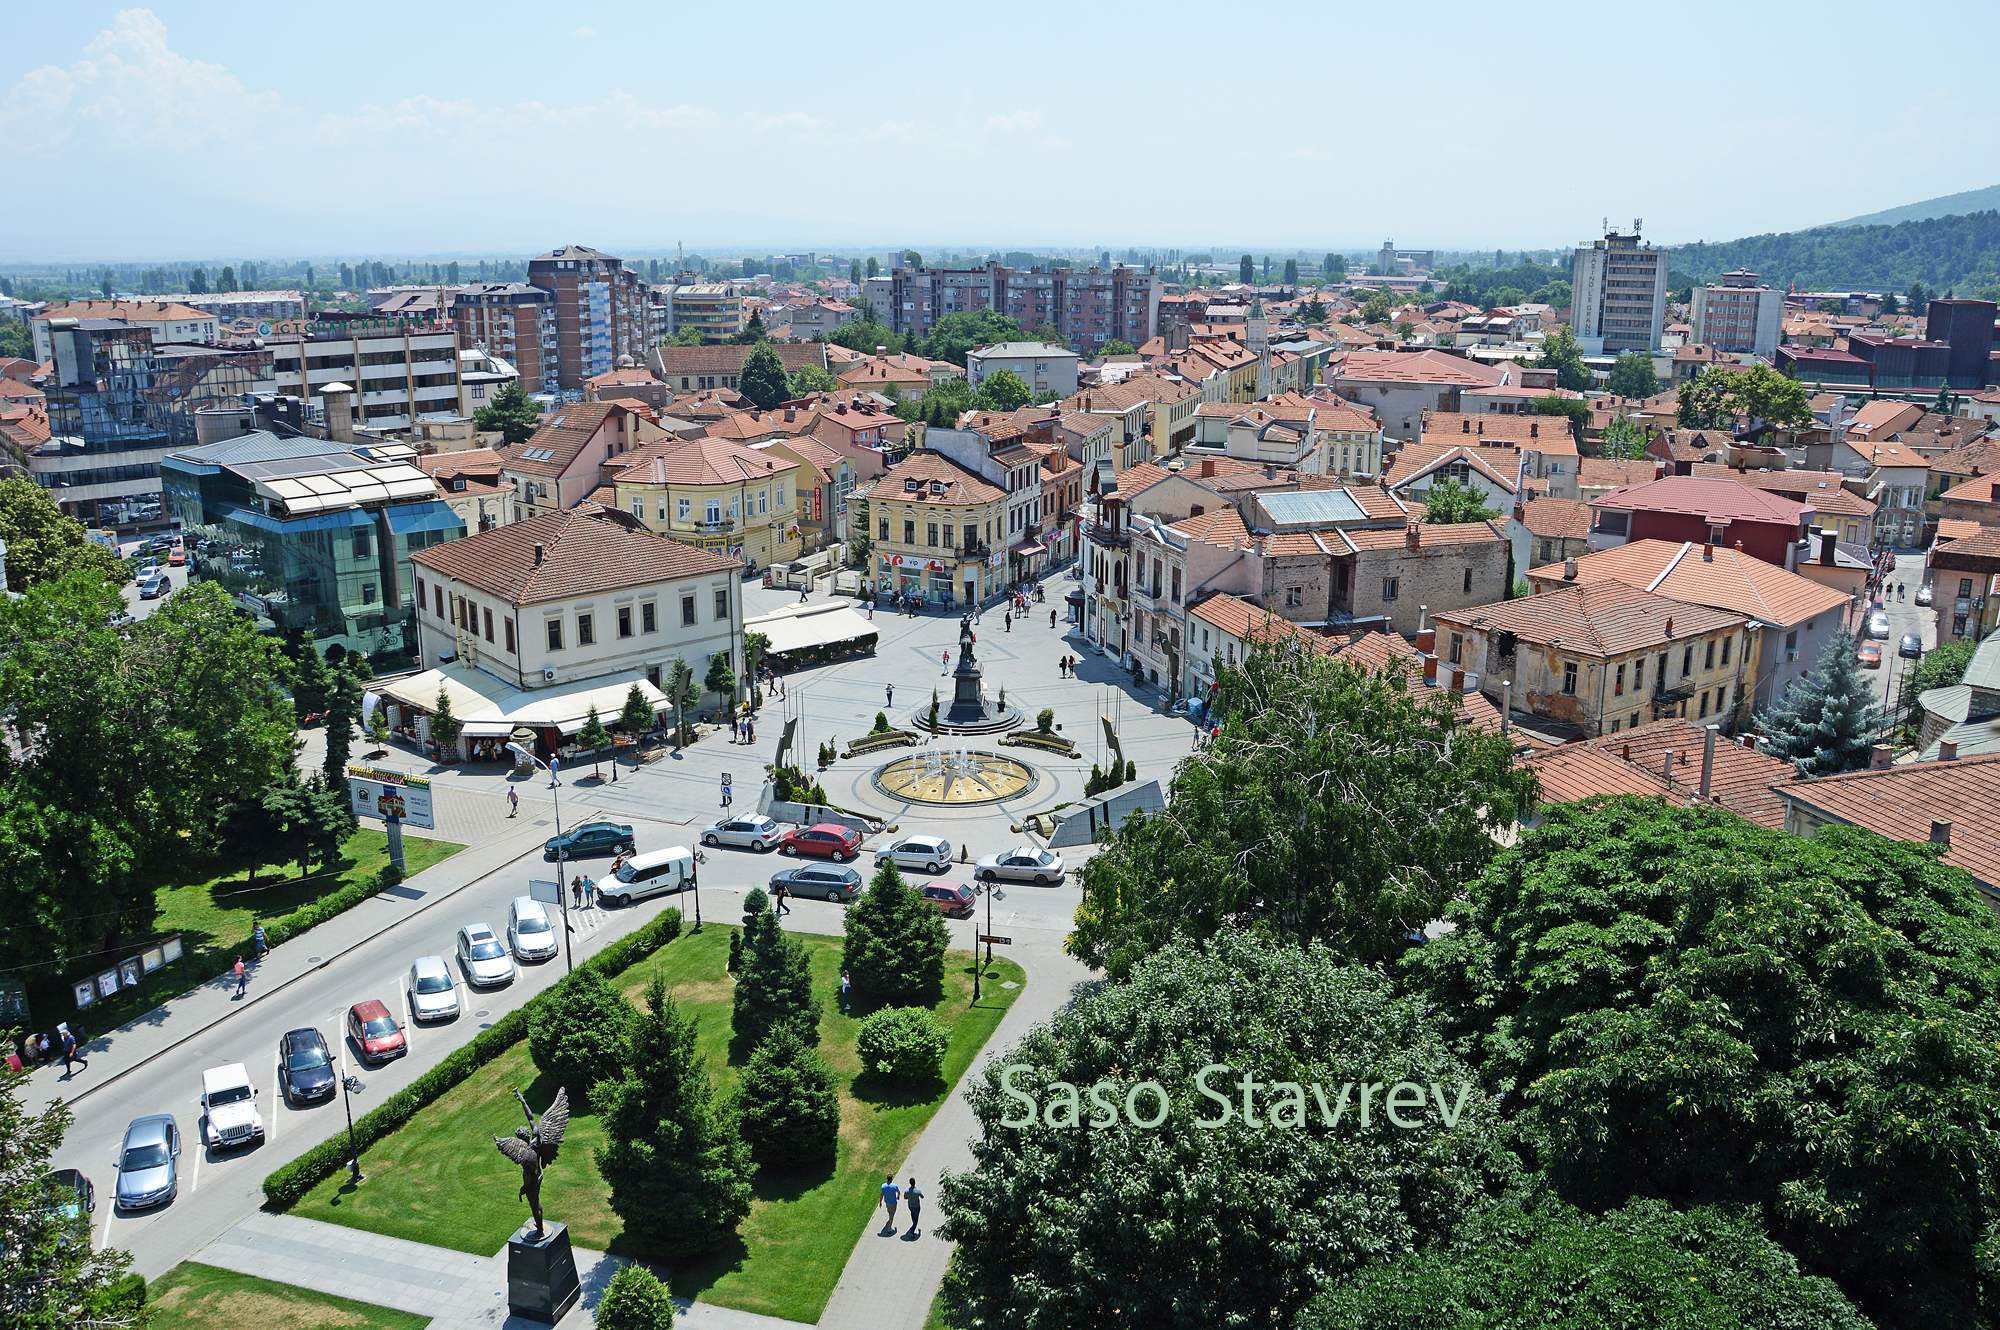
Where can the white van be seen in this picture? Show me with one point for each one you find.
(650, 874)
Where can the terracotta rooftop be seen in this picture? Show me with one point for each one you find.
(939, 481)
(1548, 434)
(1635, 762)
(1700, 496)
(585, 550)
(1726, 580)
(1822, 489)
(1901, 802)
(1596, 619)
(704, 461)
(1416, 367)
(565, 435)
(1597, 473)
(1556, 519)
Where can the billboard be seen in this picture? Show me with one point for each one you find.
(379, 792)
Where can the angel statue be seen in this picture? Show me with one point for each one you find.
(534, 1147)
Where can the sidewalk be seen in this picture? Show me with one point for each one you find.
(457, 1290)
(117, 1052)
(889, 1282)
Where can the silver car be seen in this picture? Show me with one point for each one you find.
(1878, 624)
(1023, 863)
(829, 882)
(483, 957)
(147, 1173)
(529, 930)
(930, 853)
(756, 831)
(433, 995)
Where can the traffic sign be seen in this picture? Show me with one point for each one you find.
(1001, 941)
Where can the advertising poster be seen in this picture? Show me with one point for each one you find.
(379, 792)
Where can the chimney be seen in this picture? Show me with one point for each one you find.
(1708, 554)
(538, 556)
(337, 398)
(1208, 466)
(1708, 757)
(1506, 705)
(1534, 429)
(1569, 570)
(1431, 670)
(1947, 751)
(1625, 753)
(1941, 833)
(1826, 543)
(1670, 626)
(1667, 770)
(1481, 429)
(1423, 615)
(1739, 547)
(1749, 741)
(1881, 757)
(1465, 427)
(791, 413)
(1413, 536)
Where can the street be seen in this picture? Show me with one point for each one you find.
(1905, 616)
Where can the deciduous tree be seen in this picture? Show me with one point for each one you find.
(44, 543)
(1562, 353)
(50, 1276)
(512, 412)
(1703, 401)
(1632, 376)
(593, 736)
(579, 1036)
(1451, 501)
(809, 379)
(1004, 390)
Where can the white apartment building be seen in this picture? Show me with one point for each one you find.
(402, 370)
(1618, 294)
(1044, 368)
(167, 321)
(1739, 314)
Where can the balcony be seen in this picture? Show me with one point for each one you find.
(1100, 534)
(716, 528)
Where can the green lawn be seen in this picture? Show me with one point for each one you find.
(199, 1297)
(440, 1181)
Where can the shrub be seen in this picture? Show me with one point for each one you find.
(578, 1034)
(1045, 720)
(1131, 771)
(881, 722)
(903, 1043)
(895, 941)
(788, 1109)
(635, 1300)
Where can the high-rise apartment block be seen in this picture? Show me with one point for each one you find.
(1087, 308)
(603, 311)
(1618, 294)
(395, 371)
(514, 321)
(1739, 314)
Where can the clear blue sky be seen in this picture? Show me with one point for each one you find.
(362, 128)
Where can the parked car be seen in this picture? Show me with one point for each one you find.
(71, 1194)
(591, 838)
(828, 840)
(433, 995)
(953, 899)
(1870, 655)
(930, 853)
(1912, 645)
(1925, 595)
(1878, 623)
(147, 1174)
(650, 874)
(305, 1068)
(229, 1113)
(529, 931)
(376, 1036)
(756, 831)
(824, 882)
(177, 557)
(481, 956)
(1024, 863)
(153, 584)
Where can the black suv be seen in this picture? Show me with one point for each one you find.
(304, 1068)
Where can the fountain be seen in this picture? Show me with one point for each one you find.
(955, 776)
(970, 711)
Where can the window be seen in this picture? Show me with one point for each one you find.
(437, 595)
(1457, 648)
(625, 621)
(882, 532)
(555, 634)
(663, 510)
(1614, 727)
(542, 489)
(1965, 586)
(1618, 684)
(931, 533)
(732, 507)
(420, 593)
(1725, 649)
(779, 499)
(1177, 586)
(368, 593)
(1389, 588)
(721, 604)
(639, 509)
(684, 508)
(488, 615)
(1293, 595)
(713, 511)
(508, 626)
(1704, 705)
(586, 631)
(1468, 580)
(1569, 678)
(971, 535)
(687, 611)
(909, 532)
(1708, 657)
(361, 543)
(1687, 663)
(648, 620)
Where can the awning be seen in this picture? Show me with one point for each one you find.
(1029, 547)
(491, 709)
(799, 626)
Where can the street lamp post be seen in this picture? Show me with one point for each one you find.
(991, 890)
(553, 766)
(351, 1085)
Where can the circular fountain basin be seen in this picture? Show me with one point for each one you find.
(958, 778)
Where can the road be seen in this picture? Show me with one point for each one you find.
(1905, 616)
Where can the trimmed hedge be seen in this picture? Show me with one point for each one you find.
(314, 913)
(289, 1184)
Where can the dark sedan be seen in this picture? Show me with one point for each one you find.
(824, 882)
(592, 838)
(305, 1069)
(1912, 645)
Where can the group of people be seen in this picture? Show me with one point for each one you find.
(1068, 667)
(583, 887)
(35, 1049)
(746, 728)
(909, 1196)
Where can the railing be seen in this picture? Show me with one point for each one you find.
(727, 524)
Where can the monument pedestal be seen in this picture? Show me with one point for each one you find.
(541, 1273)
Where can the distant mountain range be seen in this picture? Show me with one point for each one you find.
(1958, 252)
(1950, 205)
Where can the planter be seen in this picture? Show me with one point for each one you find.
(1048, 743)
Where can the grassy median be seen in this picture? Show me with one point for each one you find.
(200, 1297)
(440, 1181)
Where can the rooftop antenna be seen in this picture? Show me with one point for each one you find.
(1638, 225)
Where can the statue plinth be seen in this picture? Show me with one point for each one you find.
(542, 1284)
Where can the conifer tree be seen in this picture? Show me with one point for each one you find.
(1827, 721)
(774, 980)
(594, 736)
(789, 1111)
(895, 942)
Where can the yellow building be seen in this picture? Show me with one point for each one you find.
(716, 495)
(714, 308)
(937, 529)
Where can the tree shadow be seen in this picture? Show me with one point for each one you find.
(690, 1276)
(881, 1092)
(789, 1184)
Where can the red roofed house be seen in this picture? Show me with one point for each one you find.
(1946, 803)
(1707, 511)
(564, 460)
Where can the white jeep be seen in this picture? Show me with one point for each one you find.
(229, 1107)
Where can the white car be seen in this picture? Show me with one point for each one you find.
(433, 995)
(754, 830)
(1024, 863)
(229, 1107)
(482, 957)
(930, 853)
(529, 931)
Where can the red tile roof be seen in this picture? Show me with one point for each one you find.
(1602, 619)
(1727, 580)
(703, 461)
(1556, 519)
(1901, 802)
(1713, 499)
(585, 550)
(961, 487)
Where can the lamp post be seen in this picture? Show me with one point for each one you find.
(351, 1085)
(991, 891)
(553, 766)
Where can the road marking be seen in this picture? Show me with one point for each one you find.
(200, 1149)
(409, 1025)
(277, 1102)
(110, 1209)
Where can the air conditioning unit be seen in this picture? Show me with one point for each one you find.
(1792, 653)
(549, 674)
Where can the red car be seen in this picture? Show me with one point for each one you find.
(829, 840)
(375, 1032)
(951, 898)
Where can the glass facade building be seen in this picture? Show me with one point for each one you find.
(310, 535)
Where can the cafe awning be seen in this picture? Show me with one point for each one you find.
(492, 709)
(1028, 548)
(798, 626)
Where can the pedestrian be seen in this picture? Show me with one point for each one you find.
(42, 1050)
(889, 690)
(944, 659)
(844, 982)
(575, 891)
(750, 723)
(257, 936)
(915, 1200)
(70, 1053)
(802, 595)
(589, 892)
(890, 1195)
(242, 977)
(513, 801)
(783, 895)
(1010, 621)
(725, 790)
(1052, 618)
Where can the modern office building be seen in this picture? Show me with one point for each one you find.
(514, 321)
(603, 311)
(1089, 308)
(118, 404)
(714, 309)
(311, 534)
(166, 321)
(1739, 314)
(1618, 294)
(401, 370)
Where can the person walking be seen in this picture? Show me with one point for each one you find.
(890, 1195)
(1052, 618)
(513, 801)
(783, 895)
(750, 728)
(1010, 621)
(242, 977)
(915, 1200)
(69, 1049)
(944, 659)
(575, 891)
(725, 790)
(257, 936)
(889, 691)
(844, 982)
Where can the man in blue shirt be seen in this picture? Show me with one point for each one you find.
(890, 1195)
